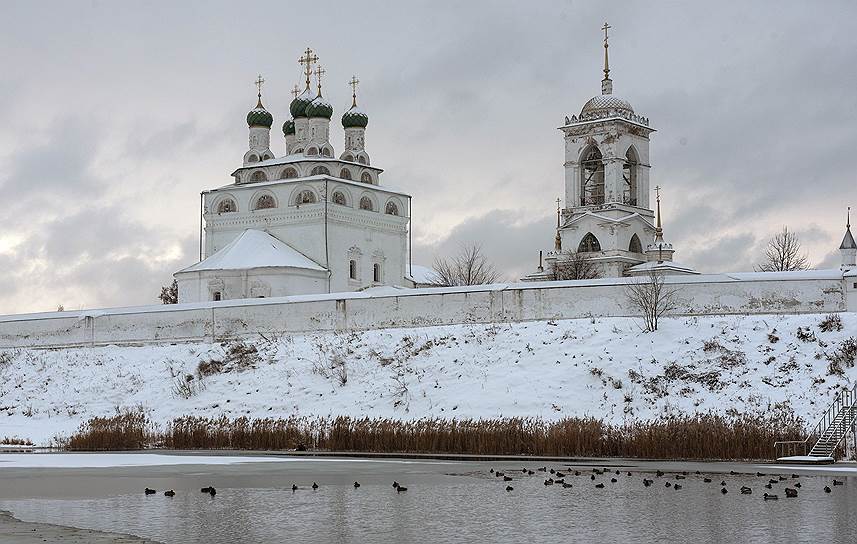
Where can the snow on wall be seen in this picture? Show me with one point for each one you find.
(772, 293)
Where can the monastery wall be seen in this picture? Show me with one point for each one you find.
(752, 293)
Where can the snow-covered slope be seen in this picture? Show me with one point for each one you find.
(606, 368)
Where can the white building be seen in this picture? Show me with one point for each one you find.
(607, 216)
(306, 222)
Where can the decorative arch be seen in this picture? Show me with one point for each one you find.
(635, 246)
(391, 208)
(367, 204)
(227, 205)
(629, 174)
(589, 244)
(259, 175)
(366, 177)
(289, 173)
(348, 157)
(264, 201)
(362, 160)
(306, 196)
(345, 173)
(339, 198)
(312, 151)
(319, 171)
(252, 158)
(326, 152)
(267, 156)
(591, 177)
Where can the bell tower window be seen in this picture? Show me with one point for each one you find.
(629, 175)
(592, 178)
(635, 246)
(589, 244)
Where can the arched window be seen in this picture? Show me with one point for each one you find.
(366, 203)
(253, 158)
(366, 177)
(305, 197)
(258, 175)
(376, 273)
(348, 157)
(361, 159)
(267, 156)
(289, 173)
(265, 202)
(589, 244)
(391, 208)
(312, 151)
(345, 173)
(298, 150)
(227, 205)
(339, 198)
(629, 175)
(352, 269)
(325, 152)
(591, 178)
(635, 246)
(217, 295)
(319, 171)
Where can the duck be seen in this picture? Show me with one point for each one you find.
(507, 478)
(613, 480)
(499, 474)
(781, 477)
(724, 490)
(629, 473)
(826, 489)
(760, 474)
(401, 489)
(212, 491)
(617, 473)
(791, 493)
(769, 486)
(599, 486)
(314, 485)
(150, 491)
(659, 474)
(492, 470)
(169, 493)
(509, 488)
(592, 477)
(668, 484)
(530, 472)
(677, 487)
(770, 497)
(577, 473)
(205, 490)
(794, 476)
(560, 481)
(565, 485)
(395, 484)
(732, 472)
(680, 477)
(294, 488)
(542, 469)
(552, 471)
(549, 481)
(722, 482)
(772, 481)
(524, 471)
(746, 490)
(647, 483)
(837, 482)
(797, 484)
(560, 475)
(707, 480)
(356, 485)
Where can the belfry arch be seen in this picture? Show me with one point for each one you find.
(591, 177)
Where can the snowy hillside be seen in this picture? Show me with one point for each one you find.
(606, 368)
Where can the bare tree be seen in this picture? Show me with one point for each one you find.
(652, 298)
(468, 267)
(783, 252)
(170, 293)
(571, 265)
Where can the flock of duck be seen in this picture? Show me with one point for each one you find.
(560, 477)
(211, 491)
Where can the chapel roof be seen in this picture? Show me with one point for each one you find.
(255, 249)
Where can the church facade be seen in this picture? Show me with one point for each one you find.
(306, 222)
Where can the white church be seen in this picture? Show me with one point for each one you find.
(306, 222)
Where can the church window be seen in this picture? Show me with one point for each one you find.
(589, 244)
(266, 156)
(635, 246)
(352, 269)
(391, 208)
(312, 151)
(227, 205)
(326, 152)
(289, 173)
(253, 158)
(265, 202)
(298, 150)
(348, 157)
(361, 159)
(629, 175)
(258, 175)
(319, 171)
(592, 178)
(366, 177)
(376, 273)
(217, 295)
(345, 173)
(339, 198)
(305, 197)
(366, 203)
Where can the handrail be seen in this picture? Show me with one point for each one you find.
(845, 398)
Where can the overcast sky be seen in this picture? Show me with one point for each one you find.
(115, 115)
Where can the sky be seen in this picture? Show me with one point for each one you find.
(115, 115)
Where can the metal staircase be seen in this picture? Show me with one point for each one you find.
(836, 422)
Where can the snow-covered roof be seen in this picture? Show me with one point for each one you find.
(255, 249)
(606, 219)
(422, 274)
(848, 241)
(300, 157)
(382, 188)
(662, 266)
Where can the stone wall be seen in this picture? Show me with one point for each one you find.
(771, 293)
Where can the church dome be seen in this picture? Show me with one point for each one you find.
(299, 105)
(319, 108)
(354, 117)
(260, 117)
(289, 127)
(605, 105)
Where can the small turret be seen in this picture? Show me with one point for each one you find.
(659, 250)
(259, 122)
(319, 112)
(289, 133)
(355, 121)
(848, 248)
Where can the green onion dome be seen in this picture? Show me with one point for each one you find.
(354, 118)
(299, 104)
(260, 117)
(289, 127)
(319, 108)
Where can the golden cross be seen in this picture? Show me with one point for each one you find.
(658, 191)
(307, 60)
(319, 71)
(259, 81)
(296, 91)
(354, 82)
(605, 28)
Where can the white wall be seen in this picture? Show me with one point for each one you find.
(798, 292)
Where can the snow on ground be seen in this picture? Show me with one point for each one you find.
(604, 367)
(105, 460)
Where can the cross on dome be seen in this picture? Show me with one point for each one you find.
(354, 82)
(606, 84)
(307, 60)
(296, 91)
(319, 72)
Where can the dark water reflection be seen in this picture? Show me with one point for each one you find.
(471, 507)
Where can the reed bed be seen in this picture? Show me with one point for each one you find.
(707, 436)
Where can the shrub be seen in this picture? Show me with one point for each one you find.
(831, 322)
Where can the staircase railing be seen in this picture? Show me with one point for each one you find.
(787, 448)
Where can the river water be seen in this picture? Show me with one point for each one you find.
(445, 502)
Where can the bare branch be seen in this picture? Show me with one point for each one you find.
(468, 267)
(783, 253)
(652, 298)
(571, 265)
